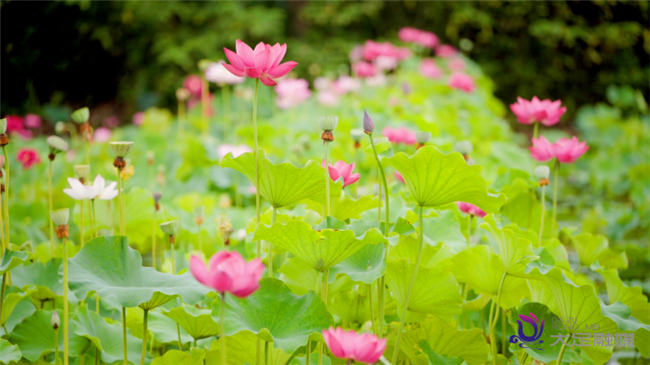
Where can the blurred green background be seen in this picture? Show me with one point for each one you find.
(127, 56)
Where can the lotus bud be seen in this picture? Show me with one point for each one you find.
(82, 172)
(151, 157)
(328, 123)
(224, 228)
(55, 321)
(357, 136)
(156, 200)
(81, 116)
(60, 218)
(3, 125)
(182, 94)
(542, 172)
(121, 149)
(368, 124)
(169, 228)
(464, 148)
(57, 144)
(422, 138)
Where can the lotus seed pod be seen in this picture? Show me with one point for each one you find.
(55, 321)
(81, 115)
(182, 94)
(357, 135)
(61, 216)
(57, 144)
(157, 197)
(60, 127)
(82, 171)
(121, 149)
(328, 122)
(169, 228)
(3, 125)
(422, 137)
(464, 147)
(542, 172)
(368, 124)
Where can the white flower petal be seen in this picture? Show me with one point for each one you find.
(75, 194)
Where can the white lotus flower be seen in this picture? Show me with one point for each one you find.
(98, 190)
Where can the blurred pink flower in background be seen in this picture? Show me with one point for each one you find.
(372, 50)
(428, 68)
(14, 123)
(399, 135)
(386, 62)
(193, 84)
(356, 54)
(446, 51)
(378, 80)
(263, 62)
(217, 73)
(471, 209)
(328, 97)
(456, 64)
(421, 37)
(322, 83)
(545, 111)
(228, 272)
(346, 84)
(569, 150)
(33, 121)
(399, 177)
(343, 170)
(102, 134)
(542, 150)
(291, 92)
(364, 69)
(28, 157)
(138, 118)
(462, 82)
(365, 348)
(111, 122)
(236, 151)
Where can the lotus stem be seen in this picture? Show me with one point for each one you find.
(561, 354)
(144, 337)
(180, 343)
(181, 118)
(204, 105)
(126, 356)
(153, 240)
(503, 332)
(257, 165)
(324, 293)
(56, 346)
(535, 129)
(7, 170)
(171, 241)
(2, 297)
(270, 258)
(222, 316)
(49, 183)
(2, 223)
(94, 216)
(81, 223)
(328, 208)
(493, 323)
(225, 91)
(383, 180)
(402, 318)
(469, 229)
(199, 236)
(120, 198)
(555, 171)
(65, 302)
(372, 315)
(541, 225)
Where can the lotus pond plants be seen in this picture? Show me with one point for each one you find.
(384, 215)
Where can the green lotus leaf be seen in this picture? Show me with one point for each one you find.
(43, 277)
(621, 314)
(407, 248)
(445, 228)
(107, 337)
(241, 348)
(515, 252)
(435, 179)
(382, 144)
(409, 347)
(612, 259)
(22, 309)
(320, 250)
(195, 356)
(434, 292)
(345, 208)
(196, 322)
(447, 341)
(589, 247)
(559, 253)
(35, 336)
(284, 184)
(9, 353)
(633, 297)
(11, 259)
(365, 265)
(313, 359)
(275, 314)
(483, 270)
(642, 341)
(164, 329)
(9, 304)
(108, 266)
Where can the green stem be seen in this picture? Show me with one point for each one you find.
(559, 357)
(257, 166)
(556, 169)
(383, 180)
(308, 352)
(324, 293)
(402, 318)
(49, 181)
(180, 343)
(2, 296)
(266, 353)
(204, 105)
(120, 200)
(541, 225)
(65, 302)
(372, 315)
(200, 243)
(7, 168)
(126, 356)
(469, 229)
(328, 211)
(81, 223)
(493, 324)
(144, 337)
(56, 346)
(222, 316)
(181, 118)
(503, 332)
(270, 258)
(87, 152)
(173, 254)
(153, 240)
(535, 129)
(226, 111)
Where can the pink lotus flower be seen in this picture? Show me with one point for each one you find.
(346, 84)
(545, 111)
(217, 73)
(193, 84)
(138, 118)
(14, 123)
(456, 64)
(399, 135)
(428, 68)
(261, 63)
(328, 97)
(356, 54)
(569, 150)
(421, 37)
(364, 69)
(291, 93)
(32, 121)
(542, 150)
(446, 51)
(372, 50)
(343, 170)
(102, 134)
(462, 82)
(236, 151)
(366, 348)
(386, 62)
(111, 122)
(399, 177)
(228, 272)
(28, 157)
(471, 209)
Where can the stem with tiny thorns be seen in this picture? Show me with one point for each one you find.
(144, 337)
(126, 359)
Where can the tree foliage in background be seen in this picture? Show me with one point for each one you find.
(135, 54)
